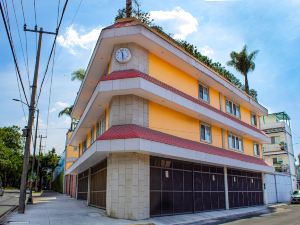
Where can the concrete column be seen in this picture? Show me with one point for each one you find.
(89, 188)
(226, 189)
(265, 195)
(128, 186)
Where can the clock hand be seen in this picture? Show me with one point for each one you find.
(122, 55)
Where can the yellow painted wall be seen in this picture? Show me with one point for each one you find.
(88, 139)
(171, 122)
(214, 98)
(216, 136)
(245, 115)
(172, 76)
(68, 165)
(248, 146)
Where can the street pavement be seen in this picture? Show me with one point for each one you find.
(282, 215)
(56, 209)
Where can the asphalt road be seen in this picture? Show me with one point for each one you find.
(282, 215)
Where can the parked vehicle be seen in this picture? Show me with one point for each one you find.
(1, 188)
(296, 197)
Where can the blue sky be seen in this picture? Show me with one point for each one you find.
(216, 27)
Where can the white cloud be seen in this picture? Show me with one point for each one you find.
(61, 104)
(206, 50)
(183, 22)
(74, 40)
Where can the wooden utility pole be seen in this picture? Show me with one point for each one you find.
(33, 158)
(32, 109)
(38, 164)
(128, 8)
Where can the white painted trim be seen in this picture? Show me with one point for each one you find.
(153, 43)
(164, 150)
(148, 90)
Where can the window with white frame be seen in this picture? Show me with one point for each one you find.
(92, 135)
(203, 92)
(101, 125)
(256, 149)
(233, 108)
(205, 133)
(84, 146)
(253, 119)
(235, 142)
(275, 140)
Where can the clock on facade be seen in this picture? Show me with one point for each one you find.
(123, 55)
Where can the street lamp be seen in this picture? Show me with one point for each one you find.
(34, 149)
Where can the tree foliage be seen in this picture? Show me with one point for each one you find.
(11, 145)
(76, 75)
(243, 63)
(145, 18)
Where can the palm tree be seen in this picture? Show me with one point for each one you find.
(76, 75)
(244, 63)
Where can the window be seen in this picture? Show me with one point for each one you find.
(275, 140)
(253, 119)
(101, 125)
(256, 149)
(233, 108)
(84, 146)
(205, 133)
(203, 93)
(92, 135)
(235, 142)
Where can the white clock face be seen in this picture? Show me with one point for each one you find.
(123, 55)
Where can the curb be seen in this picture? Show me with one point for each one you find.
(212, 220)
(7, 213)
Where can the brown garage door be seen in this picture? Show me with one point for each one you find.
(82, 185)
(178, 187)
(244, 188)
(98, 185)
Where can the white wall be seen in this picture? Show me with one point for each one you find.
(278, 188)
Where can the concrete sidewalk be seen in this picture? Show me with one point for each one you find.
(58, 209)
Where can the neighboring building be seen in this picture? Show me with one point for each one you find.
(159, 133)
(298, 176)
(279, 152)
(71, 155)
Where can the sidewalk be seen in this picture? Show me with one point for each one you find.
(8, 202)
(58, 209)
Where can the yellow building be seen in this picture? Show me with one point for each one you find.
(159, 133)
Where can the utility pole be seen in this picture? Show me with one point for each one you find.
(38, 164)
(33, 158)
(32, 106)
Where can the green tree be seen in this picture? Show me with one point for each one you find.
(76, 75)
(243, 63)
(11, 145)
(48, 163)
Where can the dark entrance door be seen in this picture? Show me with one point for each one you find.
(244, 188)
(98, 185)
(82, 188)
(178, 187)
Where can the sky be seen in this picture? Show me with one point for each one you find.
(216, 27)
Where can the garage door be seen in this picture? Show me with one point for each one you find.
(178, 187)
(98, 185)
(82, 188)
(244, 188)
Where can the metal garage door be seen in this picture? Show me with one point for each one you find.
(178, 187)
(244, 188)
(82, 188)
(98, 185)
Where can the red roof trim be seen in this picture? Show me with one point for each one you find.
(134, 131)
(134, 74)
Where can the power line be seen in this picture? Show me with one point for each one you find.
(51, 79)
(26, 44)
(52, 49)
(13, 52)
(35, 20)
(22, 49)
